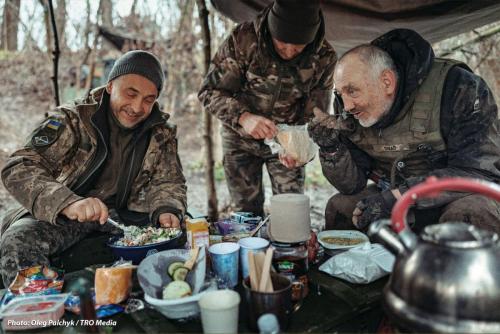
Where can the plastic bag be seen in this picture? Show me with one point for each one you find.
(363, 264)
(294, 141)
(113, 285)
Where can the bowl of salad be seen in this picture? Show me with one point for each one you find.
(138, 243)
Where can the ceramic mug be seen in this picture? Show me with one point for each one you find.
(278, 302)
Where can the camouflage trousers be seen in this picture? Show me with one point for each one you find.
(243, 162)
(29, 242)
(477, 210)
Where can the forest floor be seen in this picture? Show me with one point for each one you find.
(26, 94)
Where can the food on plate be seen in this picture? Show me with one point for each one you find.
(176, 289)
(173, 266)
(342, 241)
(148, 235)
(180, 274)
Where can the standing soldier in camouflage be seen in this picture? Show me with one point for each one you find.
(273, 70)
(113, 151)
(417, 116)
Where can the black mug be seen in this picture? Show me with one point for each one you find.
(278, 302)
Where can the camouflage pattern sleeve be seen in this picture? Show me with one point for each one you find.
(167, 187)
(219, 91)
(346, 169)
(30, 173)
(321, 94)
(471, 129)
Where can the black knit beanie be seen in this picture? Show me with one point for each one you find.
(294, 21)
(139, 62)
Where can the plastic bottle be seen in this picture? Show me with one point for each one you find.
(268, 324)
(197, 232)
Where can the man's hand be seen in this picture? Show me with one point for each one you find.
(168, 220)
(323, 131)
(373, 208)
(288, 161)
(257, 126)
(87, 210)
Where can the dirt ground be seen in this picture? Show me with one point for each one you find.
(26, 94)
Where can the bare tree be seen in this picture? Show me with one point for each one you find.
(61, 17)
(107, 13)
(209, 168)
(46, 22)
(133, 8)
(10, 24)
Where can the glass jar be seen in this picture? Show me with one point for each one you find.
(291, 260)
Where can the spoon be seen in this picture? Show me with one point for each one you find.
(128, 230)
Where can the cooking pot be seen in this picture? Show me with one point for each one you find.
(448, 279)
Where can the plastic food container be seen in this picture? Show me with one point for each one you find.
(33, 312)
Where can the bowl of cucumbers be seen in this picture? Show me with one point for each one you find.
(172, 280)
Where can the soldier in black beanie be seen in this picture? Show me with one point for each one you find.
(294, 21)
(274, 70)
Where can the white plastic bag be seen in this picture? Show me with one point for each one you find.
(360, 265)
(293, 141)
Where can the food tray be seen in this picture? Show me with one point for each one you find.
(349, 236)
(33, 312)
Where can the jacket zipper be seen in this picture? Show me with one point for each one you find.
(96, 167)
(128, 176)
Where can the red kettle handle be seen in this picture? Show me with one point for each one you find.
(432, 187)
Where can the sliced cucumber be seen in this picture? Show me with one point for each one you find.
(180, 274)
(173, 266)
(176, 289)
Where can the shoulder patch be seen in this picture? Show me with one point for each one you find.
(47, 133)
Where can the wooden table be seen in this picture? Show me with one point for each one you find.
(331, 306)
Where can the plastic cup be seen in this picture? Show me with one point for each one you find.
(224, 257)
(219, 311)
(251, 244)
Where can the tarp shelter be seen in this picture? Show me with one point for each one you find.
(353, 22)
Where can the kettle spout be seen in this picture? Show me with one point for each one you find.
(380, 231)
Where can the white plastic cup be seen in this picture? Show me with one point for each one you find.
(219, 311)
(250, 244)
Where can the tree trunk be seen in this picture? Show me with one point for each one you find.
(46, 22)
(133, 8)
(86, 46)
(61, 23)
(10, 24)
(107, 13)
(209, 168)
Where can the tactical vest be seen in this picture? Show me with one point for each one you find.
(413, 144)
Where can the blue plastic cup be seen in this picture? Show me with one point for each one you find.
(224, 257)
(251, 244)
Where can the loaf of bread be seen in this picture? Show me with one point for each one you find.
(296, 144)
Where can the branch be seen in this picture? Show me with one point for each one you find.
(487, 54)
(476, 39)
(55, 53)
(209, 171)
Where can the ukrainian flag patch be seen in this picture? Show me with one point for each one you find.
(53, 124)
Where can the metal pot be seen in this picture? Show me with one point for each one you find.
(448, 279)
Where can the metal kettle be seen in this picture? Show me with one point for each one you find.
(448, 279)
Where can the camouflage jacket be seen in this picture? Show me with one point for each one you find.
(246, 75)
(60, 160)
(468, 123)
